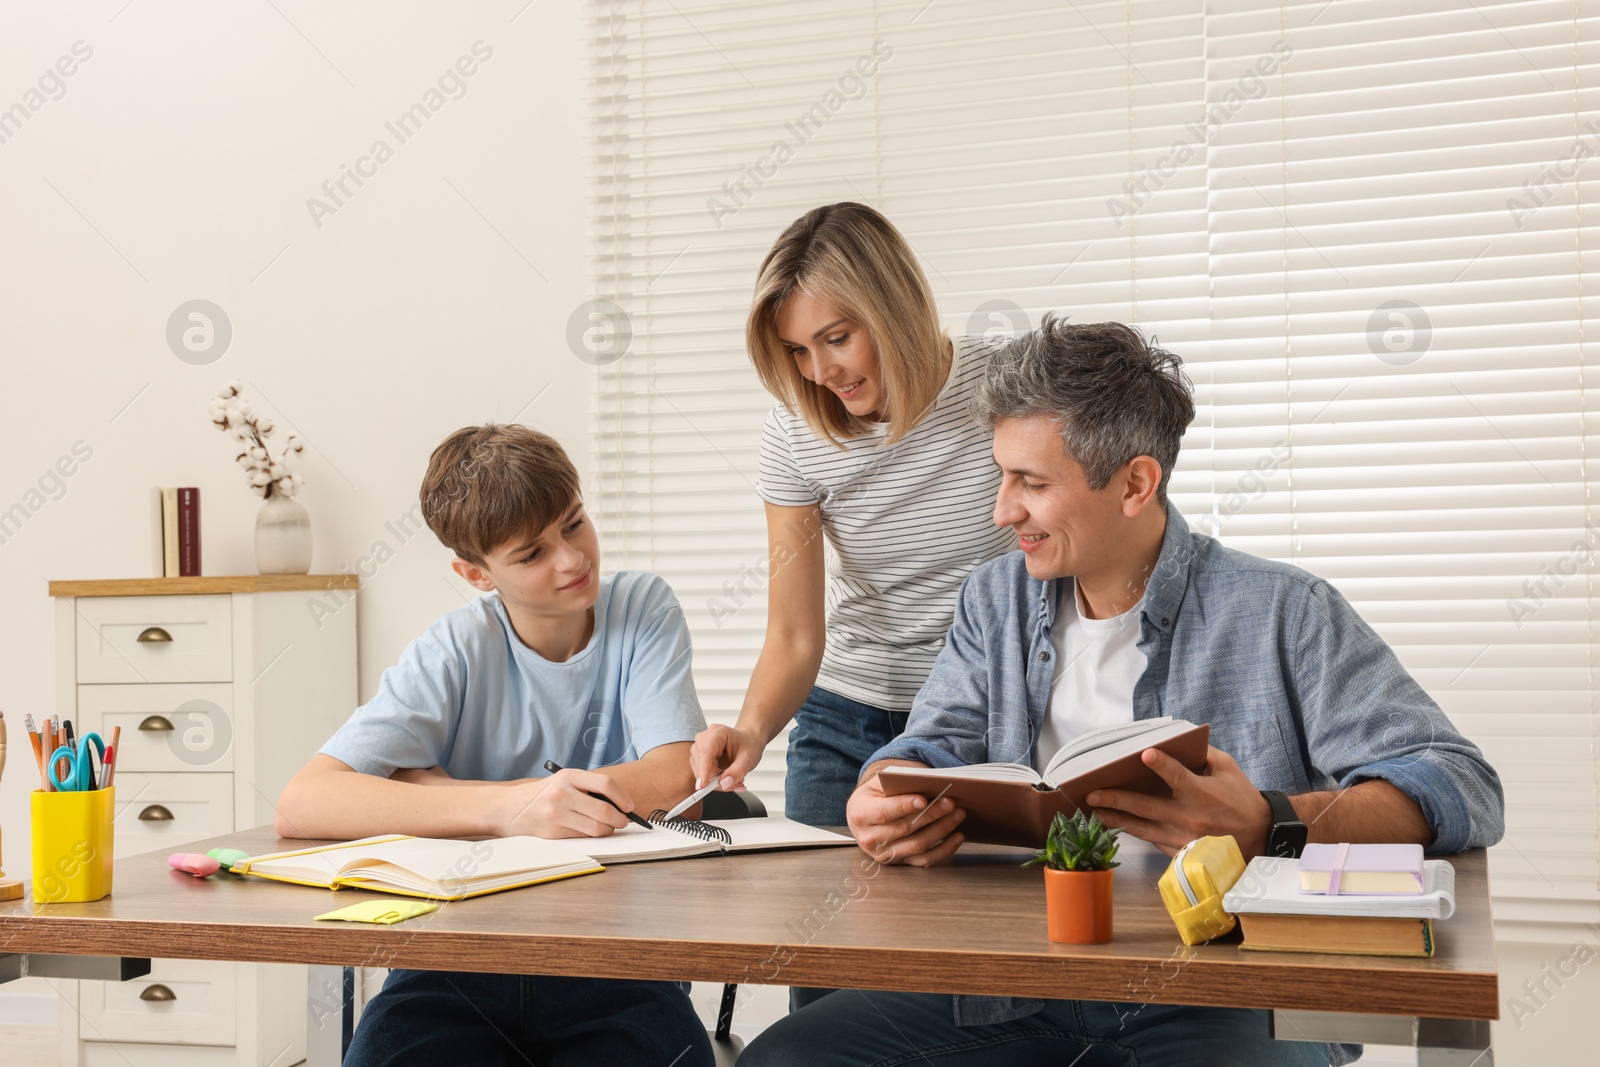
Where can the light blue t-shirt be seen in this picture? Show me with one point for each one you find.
(470, 697)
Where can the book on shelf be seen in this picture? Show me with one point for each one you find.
(1013, 804)
(175, 532)
(447, 869)
(158, 535)
(188, 532)
(169, 532)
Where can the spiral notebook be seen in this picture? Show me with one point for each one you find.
(675, 838)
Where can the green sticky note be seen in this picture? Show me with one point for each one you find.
(381, 911)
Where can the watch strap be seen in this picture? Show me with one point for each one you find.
(1287, 835)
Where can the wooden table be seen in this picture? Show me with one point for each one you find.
(829, 917)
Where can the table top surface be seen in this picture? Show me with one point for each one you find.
(826, 917)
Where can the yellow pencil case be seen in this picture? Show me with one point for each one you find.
(1193, 885)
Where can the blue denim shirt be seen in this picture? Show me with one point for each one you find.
(1296, 686)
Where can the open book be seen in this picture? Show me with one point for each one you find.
(454, 870)
(1013, 804)
(424, 866)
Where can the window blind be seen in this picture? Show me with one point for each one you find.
(1367, 227)
(1394, 304)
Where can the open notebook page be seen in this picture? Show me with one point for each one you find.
(777, 832)
(634, 843)
(446, 862)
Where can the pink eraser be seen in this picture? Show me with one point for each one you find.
(193, 863)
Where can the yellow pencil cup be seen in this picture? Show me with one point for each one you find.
(72, 845)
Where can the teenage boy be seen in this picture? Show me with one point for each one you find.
(556, 663)
(1112, 611)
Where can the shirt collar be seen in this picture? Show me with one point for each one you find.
(1163, 593)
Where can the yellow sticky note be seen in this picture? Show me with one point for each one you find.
(381, 911)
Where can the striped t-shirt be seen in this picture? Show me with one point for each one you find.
(905, 525)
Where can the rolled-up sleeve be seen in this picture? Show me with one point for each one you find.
(1365, 717)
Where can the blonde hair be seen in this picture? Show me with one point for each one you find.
(851, 257)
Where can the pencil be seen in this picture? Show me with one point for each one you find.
(33, 739)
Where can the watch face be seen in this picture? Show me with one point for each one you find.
(1288, 839)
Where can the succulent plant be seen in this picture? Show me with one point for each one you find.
(1081, 843)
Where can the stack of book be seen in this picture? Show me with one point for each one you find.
(1384, 901)
(175, 532)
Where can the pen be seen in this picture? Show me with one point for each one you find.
(108, 766)
(554, 768)
(694, 798)
(63, 767)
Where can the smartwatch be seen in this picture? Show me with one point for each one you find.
(1287, 838)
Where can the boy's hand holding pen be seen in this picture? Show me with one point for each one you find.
(570, 803)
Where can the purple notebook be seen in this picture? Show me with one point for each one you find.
(1334, 870)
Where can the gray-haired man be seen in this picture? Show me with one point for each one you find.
(1114, 610)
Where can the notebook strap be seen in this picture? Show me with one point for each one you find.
(1336, 868)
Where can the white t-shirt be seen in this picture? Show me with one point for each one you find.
(905, 525)
(1098, 663)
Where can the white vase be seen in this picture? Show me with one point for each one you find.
(283, 537)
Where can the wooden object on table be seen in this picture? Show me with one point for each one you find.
(829, 917)
(10, 888)
(226, 686)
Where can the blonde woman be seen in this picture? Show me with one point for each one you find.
(870, 449)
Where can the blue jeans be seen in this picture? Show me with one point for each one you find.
(465, 1020)
(831, 740)
(887, 1029)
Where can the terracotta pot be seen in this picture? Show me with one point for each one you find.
(1078, 906)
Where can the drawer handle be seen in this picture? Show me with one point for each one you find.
(156, 723)
(157, 994)
(155, 813)
(153, 635)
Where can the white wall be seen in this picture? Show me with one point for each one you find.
(177, 165)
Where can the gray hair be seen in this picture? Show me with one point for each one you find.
(1115, 395)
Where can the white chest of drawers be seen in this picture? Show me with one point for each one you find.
(224, 688)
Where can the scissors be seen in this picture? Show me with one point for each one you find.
(81, 776)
